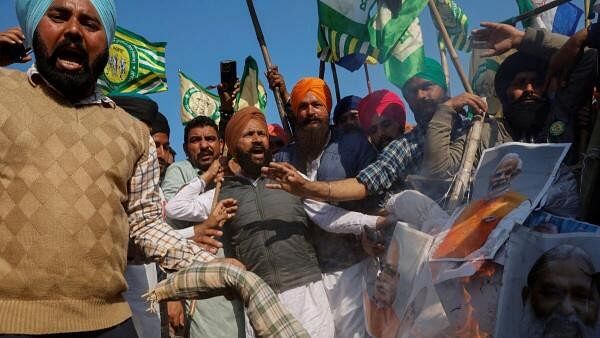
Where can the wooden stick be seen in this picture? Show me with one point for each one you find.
(335, 82)
(368, 79)
(265, 52)
(464, 174)
(513, 21)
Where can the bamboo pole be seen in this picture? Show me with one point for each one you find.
(513, 21)
(588, 22)
(335, 82)
(369, 88)
(445, 67)
(265, 52)
(464, 174)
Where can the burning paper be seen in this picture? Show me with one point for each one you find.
(550, 286)
(399, 299)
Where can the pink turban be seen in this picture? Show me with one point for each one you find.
(381, 103)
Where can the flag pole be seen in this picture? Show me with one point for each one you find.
(464, 174)
(513, 21)
(368, 79)
(265, 52)
(321, 69)
(445, 66)
(588, 22)
(335, 82)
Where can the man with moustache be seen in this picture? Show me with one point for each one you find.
(530, 113)
(79, 177)
(266, 229)
(561, 296)
(345, 114)
(323, 154)
(215, 317)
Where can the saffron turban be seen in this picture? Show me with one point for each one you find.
(383, 103)
(239, 121)
(30, 12)
(313, 85)
(432, 71)
(345, 104)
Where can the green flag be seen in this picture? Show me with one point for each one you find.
(456, 23)
(391, 22)
(197, 100)
(343, 29)
(135, 65)
(406, 58)
(252, 92)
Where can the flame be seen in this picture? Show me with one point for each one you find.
(470, 328)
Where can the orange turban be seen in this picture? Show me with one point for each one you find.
(239, 121)
(314, 85)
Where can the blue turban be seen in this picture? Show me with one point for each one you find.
(30, 12)
(345, 104)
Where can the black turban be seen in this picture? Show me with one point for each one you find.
(513, 65)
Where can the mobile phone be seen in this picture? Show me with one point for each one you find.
(16, 52)
(228, 74)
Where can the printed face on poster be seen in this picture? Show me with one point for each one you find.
(550, 286)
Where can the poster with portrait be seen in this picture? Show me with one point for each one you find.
(509, 182)
(550, 285)
(399, 297)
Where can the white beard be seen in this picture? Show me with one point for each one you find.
(555, 326)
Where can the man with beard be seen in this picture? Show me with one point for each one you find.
(325, 155)
(270, 230)
(79, 177)
(202, 145)
(561, 296)
(401, 157)
(530, 113)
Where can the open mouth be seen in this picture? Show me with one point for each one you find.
(258, 153)
(70, 59)
(205, 157)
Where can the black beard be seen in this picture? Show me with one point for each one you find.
(526, 116)
(251, 168)
(73, 86)
(310, 141)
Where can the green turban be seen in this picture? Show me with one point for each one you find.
(432, 71)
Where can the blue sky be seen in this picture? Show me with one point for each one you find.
(200, 33)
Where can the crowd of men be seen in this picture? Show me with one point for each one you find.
(82, 175)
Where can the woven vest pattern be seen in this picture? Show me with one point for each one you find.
(64, 175)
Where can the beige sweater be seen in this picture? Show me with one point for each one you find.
(63, 227)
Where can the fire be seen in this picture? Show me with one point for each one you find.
(470, 329)
(471, 326)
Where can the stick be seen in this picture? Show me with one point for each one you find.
(474, 135)
(513, 21)
(335, 82)
(588, 22)
(265, 52)
(445, 67)
(321, 69)
(368, 79)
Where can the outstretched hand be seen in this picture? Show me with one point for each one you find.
(499, 38)
(286, 178)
